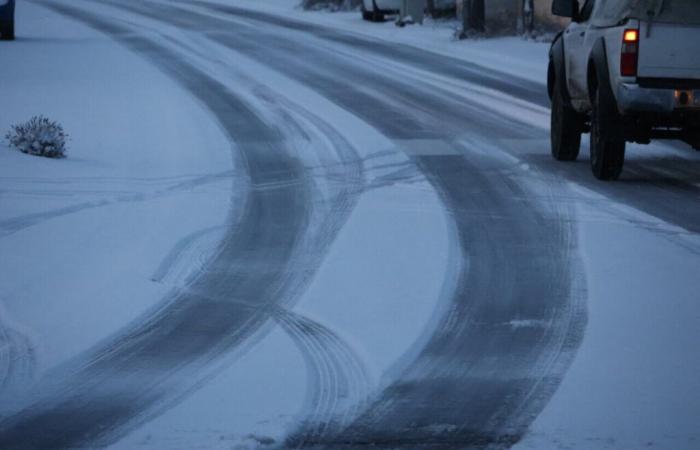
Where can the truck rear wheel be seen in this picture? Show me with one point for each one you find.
(566, 128)
(607, 139)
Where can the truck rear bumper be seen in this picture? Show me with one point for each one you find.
(632, 98)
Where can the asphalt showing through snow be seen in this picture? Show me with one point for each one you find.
(516, 316)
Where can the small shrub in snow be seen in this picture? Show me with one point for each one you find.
(39, 136)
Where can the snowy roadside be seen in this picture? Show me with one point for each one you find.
(87, 241)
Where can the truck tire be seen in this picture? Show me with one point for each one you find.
(7, 31)
(607, 140)
(566, 128)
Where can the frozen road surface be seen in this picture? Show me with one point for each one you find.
(284, 230)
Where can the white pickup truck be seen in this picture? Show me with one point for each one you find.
(627, 71)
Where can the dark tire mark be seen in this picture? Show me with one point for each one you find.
(167, 269)
(17, 359)
(338, 382)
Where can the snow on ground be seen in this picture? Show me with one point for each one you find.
(82, 237)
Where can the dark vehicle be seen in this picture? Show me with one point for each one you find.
(7, 20)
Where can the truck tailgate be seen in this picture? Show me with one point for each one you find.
(669, 51)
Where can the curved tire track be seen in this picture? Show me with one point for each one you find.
(17, 359)
(338, 382)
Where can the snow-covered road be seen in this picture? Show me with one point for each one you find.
(402, 264)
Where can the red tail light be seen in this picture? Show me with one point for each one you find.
(630, 53)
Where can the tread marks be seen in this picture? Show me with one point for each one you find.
(18, 359)
(338, 382)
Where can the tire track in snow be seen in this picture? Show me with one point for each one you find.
(338, 385)
(15, 224)
(177, 265)
(264, 260)
(17, 358)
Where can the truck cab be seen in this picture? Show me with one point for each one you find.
(625, 71)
